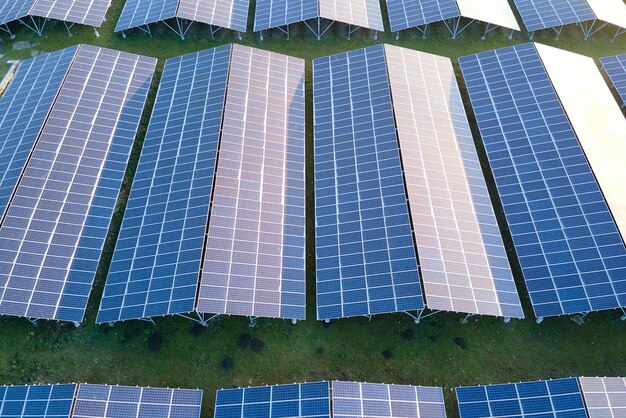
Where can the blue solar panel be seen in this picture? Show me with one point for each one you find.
(571, 253)
(24, 106)
(404, 14)
(13, 10)
(543, 14)
(560, 398)
(37, 401)
(141, 12)
(274, 13)
(156, 263)
(58, 219)
(105, 401)
(366, 261)
(305, 400)
(615, 68)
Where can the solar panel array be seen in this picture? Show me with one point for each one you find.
(254, 264)
(463, 261)
(275, 13)
(605, 397)
(57, 221)
(304, 400)
(545, 399)
(36, 401)
(104, 401)
(571, 253)
(86, 12)
(543, 14)
(404, 14)
(24, 106)
(230, 14)
(156, 262)
(366, 261)
(13, 10)
(354, 399)
(362, 13)
(615, 68)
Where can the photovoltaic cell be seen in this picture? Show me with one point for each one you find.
(366, 261)
(104, 401)
(571, 253)
(545, 399)
(36, 401)
(605, 397)
(354, 400)
(275, 13)
(24, 106)
(230, 14)
(615, 68)
(463, 261)
(58, 218)
(11, 10)
(298, 400)
(404, 14)
(543, 14)
(254, 264)
(156, 263)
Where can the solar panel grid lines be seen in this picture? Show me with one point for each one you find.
(21, 117)
(543, 14)
(40, 401)
(362, 13)
(86, 12)
(615, 68)
(365, 255)
(545, 398)
(405, 14)
(355, 399)
(156, 263)
(55, 227)
(276, 13)
(569, 248)
(101, 401)
(463, 261)
(254, 263)
(13, 10)
(604, 396)
(306, 400)
(230, 14)
(141, 12)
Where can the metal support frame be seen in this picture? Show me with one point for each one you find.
(351, 30)
(180, 28)
(36, 25)
(6, 29)
(454, 27)
(420, 315)
(317, 31)
(201, 319)
(623, 316)
(33, 321)
(558, 31)
(532, 35)
(507, 319)
(252, 319)
(466, 318)
(588, 29)
(68, 26)
(285, 30)
(148, 320)
(580, 318)
(539, 319)
(620, 31)
(419, 29)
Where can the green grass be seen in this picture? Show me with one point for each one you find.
(346, 349)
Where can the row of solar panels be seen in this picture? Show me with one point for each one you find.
(215, 220)
(584, 397)
(591, 15)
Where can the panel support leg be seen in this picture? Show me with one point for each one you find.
(420, 315)
(397, 35)
(580, 319)
(623, 317)
(532, 35)
(150, 320)
(619, 32)
(507, 319)
(11, 35)
(466, 318)
(539, 319)
(33, 321)
(486, 31)
(252, 323)
(261, 35)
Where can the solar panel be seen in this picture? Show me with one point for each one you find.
(354, 400)
(57, 221)
(365, 255)
(543, 14)
(495, 12)
(86, 12)
(404, 14)
(362, 13)
(36, 401)
(275, 13)
(615, 68)
(605, 397)
(463, 261)
(103, 401)
(142, 12)
(230, 14)
(13, 10)
(571, 253)
(156, 262)
(298, 400)
(24, 106)
(545, 399)
(254, 264)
